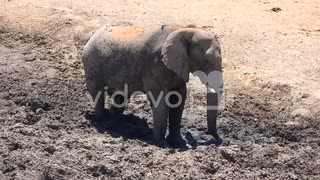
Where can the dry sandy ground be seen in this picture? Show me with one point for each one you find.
(270, 127)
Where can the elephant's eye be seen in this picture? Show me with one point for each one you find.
(202, 50)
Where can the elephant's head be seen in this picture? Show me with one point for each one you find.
(197, 51)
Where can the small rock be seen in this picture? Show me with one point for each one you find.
(53, 172)
(273, 140)
(305, 96)
(50, 149)
(21, 101)
(292, 123)
(301, 112)
(14, 146)
(150, 163)
(99, 170)
(31, 119)
(54, 125)
(34, 105)
(293, 176)
(8, 166)
(276, 9)
(229, 153)
(264, 174)
(29, 58)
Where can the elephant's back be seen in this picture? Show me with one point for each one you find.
(120, 36)
(114, 40)
(123, 33)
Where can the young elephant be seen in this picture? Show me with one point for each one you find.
(156, 62)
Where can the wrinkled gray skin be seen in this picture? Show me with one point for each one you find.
(152, 62)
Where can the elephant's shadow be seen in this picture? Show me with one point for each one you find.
(127, 126)
(130, 126)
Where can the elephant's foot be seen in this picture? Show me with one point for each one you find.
(159, 137)
(161, 143)
(213, 133)
(176, 140)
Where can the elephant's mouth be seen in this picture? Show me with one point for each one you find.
(213, 97)
(217, 89)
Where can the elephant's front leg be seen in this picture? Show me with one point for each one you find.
(160, 115)
(177, 101)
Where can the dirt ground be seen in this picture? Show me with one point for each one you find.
(270, 123)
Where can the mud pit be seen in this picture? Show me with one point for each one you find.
(47, 132)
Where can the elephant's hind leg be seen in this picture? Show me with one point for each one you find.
(160, 109)
(95, 86)
(99, 107)
(98, 97)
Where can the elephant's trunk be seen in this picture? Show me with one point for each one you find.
(214, 83)
(213, 97)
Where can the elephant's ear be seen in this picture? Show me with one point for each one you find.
(174, 52)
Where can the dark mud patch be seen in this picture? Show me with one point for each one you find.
(45, 132)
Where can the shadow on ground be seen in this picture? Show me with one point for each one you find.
(130, 126)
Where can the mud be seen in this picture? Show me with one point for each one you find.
(47, 129)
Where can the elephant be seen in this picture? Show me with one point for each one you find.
(156, 62)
